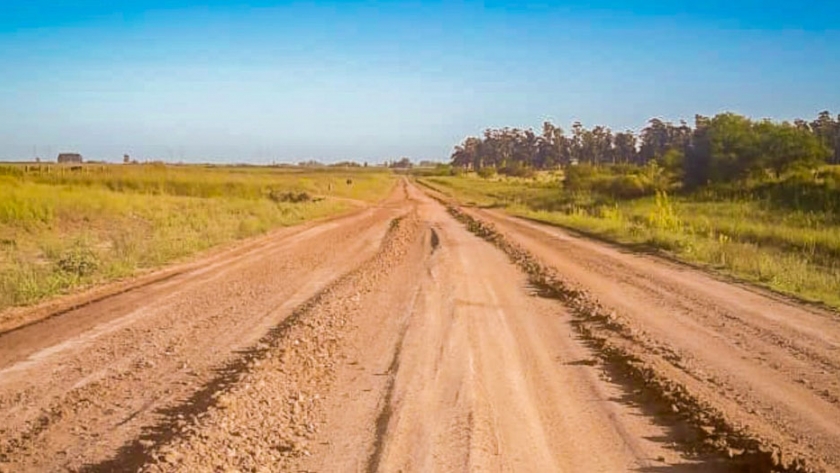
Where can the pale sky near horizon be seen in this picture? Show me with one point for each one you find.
(264, 81)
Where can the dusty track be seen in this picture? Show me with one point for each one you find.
(433, 356)
(76, 387)
(768, 367)
(374, 344)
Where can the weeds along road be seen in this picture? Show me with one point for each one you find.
(395, 339)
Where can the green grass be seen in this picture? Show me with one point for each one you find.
(498, 191)
(62, 229)
(790, 251)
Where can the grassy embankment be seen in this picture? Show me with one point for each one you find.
(62, 229)
(771, 242)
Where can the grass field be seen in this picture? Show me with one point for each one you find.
(790, 251)
(62, 228)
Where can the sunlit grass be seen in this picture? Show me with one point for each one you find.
(793, 252)
(61, 229)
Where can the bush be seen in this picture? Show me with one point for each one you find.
(830, 175)
(293, 197)
(579, 178)
(517, 169)
(457, 171)
(805, 191)
(79, 260)
(487, 172)
(629, 187)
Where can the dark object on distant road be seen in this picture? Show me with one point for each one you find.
(70, 158)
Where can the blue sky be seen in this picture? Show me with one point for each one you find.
(287, 81)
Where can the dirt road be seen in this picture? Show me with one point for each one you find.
(394, 339)
(771, 366)
(77, 387)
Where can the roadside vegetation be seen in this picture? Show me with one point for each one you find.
(62, 227)
(757, 200)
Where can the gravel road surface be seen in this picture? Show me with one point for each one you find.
(397, 338)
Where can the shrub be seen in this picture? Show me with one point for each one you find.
(803, 191)
(457, 171)
(278, 196)
(487, 172)
(517, 169)
(629, 187)
(579, 178)
(79, 260)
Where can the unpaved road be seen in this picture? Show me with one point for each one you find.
(394, 339)
(768, 364)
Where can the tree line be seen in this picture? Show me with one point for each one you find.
(723, 148)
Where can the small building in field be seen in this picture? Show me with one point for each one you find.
(74, 158)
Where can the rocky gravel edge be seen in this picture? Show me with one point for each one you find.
(640, 358)
(267, 418)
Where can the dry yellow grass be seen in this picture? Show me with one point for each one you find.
(62, 228)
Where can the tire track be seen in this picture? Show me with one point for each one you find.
(243, 428)
(116, 384)
(624, 347)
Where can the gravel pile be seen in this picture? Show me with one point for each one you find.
(267, 419)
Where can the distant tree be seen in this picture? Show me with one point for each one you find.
(698, 156)
(576, 143)
(726, 147)
(784, 147)
(468, 154)
(827, 130)
(402, 163)
(802, 124)
(735, 152)
(655, 139)
(625, 147)
(553, 147)
(310, 163)
(602, 145)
